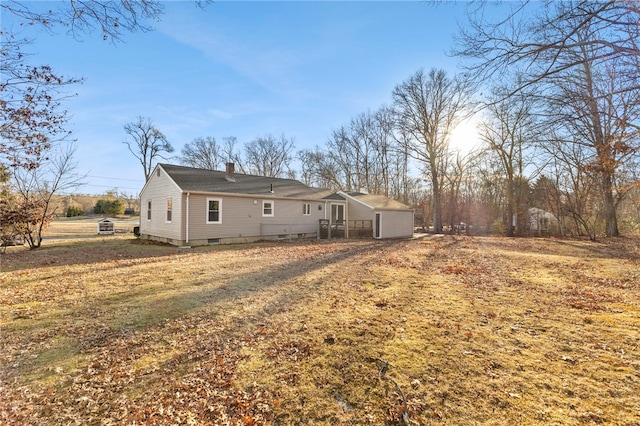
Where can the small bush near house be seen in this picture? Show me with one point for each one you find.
(111, 207)
(74, 211)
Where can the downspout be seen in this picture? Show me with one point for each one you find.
(346, 219)
(186, 222)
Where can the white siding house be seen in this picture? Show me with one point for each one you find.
(188, 206)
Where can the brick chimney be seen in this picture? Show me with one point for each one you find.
(230, 172)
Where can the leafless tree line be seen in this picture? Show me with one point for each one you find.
(559, 121)
(577, 64)
(265, 155)
(560, 126)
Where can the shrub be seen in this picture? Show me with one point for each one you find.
(111, 207)
(73, 211)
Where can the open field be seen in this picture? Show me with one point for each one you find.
(87, 226)
(440, 330)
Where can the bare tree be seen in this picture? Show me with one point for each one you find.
(32, 95)
(456, 190)
(488, 185)
(428, 107)
(308, 162)
(509, 132)
(232, 154)
(31, 208)
(577, 190)
(376, 162)
(539, 38)
(318, 169)
(391, 163)
(112, 17)
(364, 164)
(402, 185)
(344, 156)
(146, 143)
(630, 207)
(30, 106)
(269, 156)
(581, 56)
(203, 153)
(365, 155)
(595, 113)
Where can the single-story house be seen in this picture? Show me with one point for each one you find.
(540, 220)
(188, 206)
(390, 218)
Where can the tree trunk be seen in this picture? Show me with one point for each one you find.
(437, 203)
(610, 216)
(510, 207)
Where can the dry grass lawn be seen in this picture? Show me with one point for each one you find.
(440, 330)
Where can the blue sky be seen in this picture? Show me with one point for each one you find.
(241, 69)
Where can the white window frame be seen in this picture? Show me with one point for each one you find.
(169, 215)
(338, 208)
(148, 210)
(207, 211)
(273, 208)
(306, 209)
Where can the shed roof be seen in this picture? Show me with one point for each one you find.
(214, 181)
(378, 201)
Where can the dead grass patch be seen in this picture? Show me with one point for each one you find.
(453, 330)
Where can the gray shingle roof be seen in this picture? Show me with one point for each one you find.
(379, 201)
(213, 181)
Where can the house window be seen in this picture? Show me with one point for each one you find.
(267, 208)
(149, 210)
(337, 213)
(306, 209)
(169, 209)
(214, 210)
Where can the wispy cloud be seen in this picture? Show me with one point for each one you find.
(269, 55)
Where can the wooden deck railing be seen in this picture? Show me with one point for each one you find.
(360, 228)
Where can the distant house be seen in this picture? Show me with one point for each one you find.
(540, 220)
(187, 206)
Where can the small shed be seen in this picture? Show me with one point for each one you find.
(378, 216)
(105, 226)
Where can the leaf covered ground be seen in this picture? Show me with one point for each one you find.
(440, 330)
